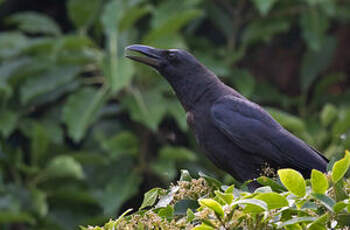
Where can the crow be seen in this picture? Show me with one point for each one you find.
(237, 135)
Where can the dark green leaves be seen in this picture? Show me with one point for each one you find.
(150, 197)
(81, 110)
(35, 23)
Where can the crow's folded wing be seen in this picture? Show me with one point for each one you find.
(254, 130)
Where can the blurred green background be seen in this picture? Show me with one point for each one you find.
(84, 132)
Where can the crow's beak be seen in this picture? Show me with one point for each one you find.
(151, 56)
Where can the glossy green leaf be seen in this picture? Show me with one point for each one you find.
(293, 181)
(340, 206)
(258, 204)
(47, 82)
(224, 197)
(213, 205)
(180, 154)
(150, 198)
(166, 212)
(273, 200)
(8, 122)
(35, 23)
(124, 142)
(320, 223)
(81, 110)
(181, 207)
(203, 227)
(64, 166)
(298, 220)
(314, 24)
(319, 182)
(325, 200)
(277, 187)
(132, 15)
(314, 62)
(341, 167)
(211, 180)
(40, 143)
(264, 6)
(81, 13)
(328, 114)
(185, 175)
(172, 25)
(16, 217)
(126, 185)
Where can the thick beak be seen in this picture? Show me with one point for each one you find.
(151, 55)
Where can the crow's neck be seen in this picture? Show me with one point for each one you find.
(193, 88)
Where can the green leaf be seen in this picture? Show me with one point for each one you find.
(315, 62)
(273, 200)
(112, 13)
(47, 82)
(190, 215)
(64, 166)
(328, 114)
(264, 6)
(11, 44)
(81, 110)
(213, 205)
(263, 180)
(340, 206)
(181, 207)
(119, 73)
(203, 226)
(8, 121)
(210, 180)
(147, 108)
(82, 13)
(179, 154)
(125, 185)
(150, 198)
(319, 182)
(325, 200)
(40, 204)
(293, 181)
(35, 23)
(320, 223)
(253, 205)
(263, 30)
(243, 81)
(341, 167)
(124, 142)
(167, 212)
(224, 197)
(39, 144)
(172, 25)
(16, 217)
(132, 15)
(185, 175)
(314, 25)
(297, 220)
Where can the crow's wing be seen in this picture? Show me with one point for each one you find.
(254, 130)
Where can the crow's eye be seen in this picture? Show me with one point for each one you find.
(171, 56)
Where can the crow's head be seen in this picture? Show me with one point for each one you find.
(171, 63)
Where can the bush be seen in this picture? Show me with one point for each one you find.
(85, 132)
(321, 202)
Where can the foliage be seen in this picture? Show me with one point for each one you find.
(83, 130)
(226, 207)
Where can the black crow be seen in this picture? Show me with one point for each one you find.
(237, 135)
